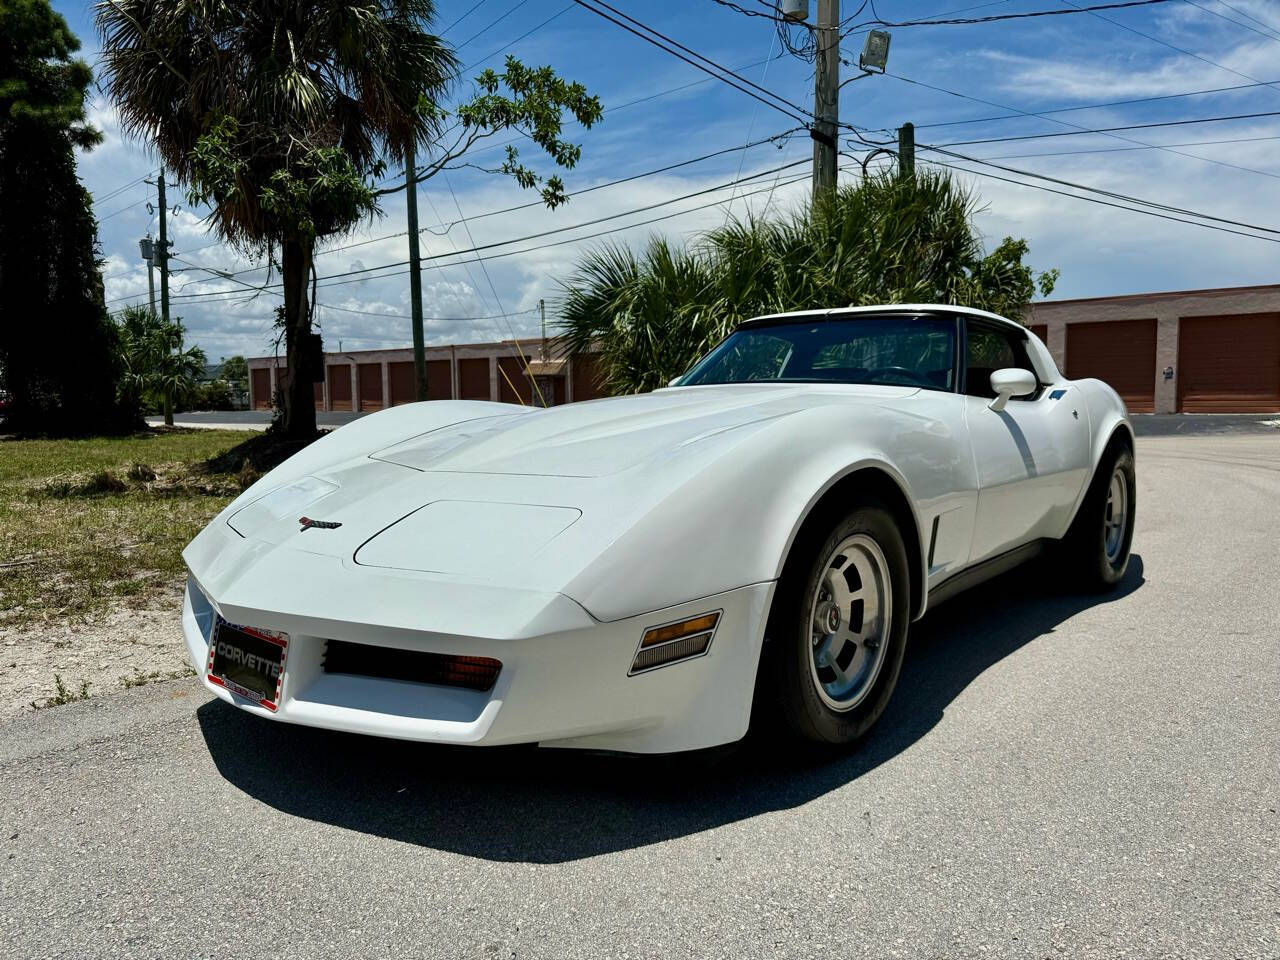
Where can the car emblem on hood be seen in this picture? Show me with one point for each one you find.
(308, 523)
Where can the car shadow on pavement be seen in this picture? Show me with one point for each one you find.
(552, 806)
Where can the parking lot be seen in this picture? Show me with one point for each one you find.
(1058, 775)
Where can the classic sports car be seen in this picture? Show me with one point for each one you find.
(632, 573)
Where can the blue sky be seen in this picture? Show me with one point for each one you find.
(1029, 65)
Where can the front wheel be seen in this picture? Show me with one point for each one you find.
(839, 627)
(1102, 533)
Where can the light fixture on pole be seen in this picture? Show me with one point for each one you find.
(795, 11)
(147, 249)
(875, 52)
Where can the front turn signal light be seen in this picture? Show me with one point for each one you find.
(672, 642)
(674, 631)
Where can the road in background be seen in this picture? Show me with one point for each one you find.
(1057, 776)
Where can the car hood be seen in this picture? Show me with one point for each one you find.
(529, 497)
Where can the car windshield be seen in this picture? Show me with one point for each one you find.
(911, 351)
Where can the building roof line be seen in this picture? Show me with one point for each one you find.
(1162, 295)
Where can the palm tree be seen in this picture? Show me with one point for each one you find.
(278, 113)
(274, 112)
(157, 364)
(890, 239)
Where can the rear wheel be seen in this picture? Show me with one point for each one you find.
(839, 626)
(1102, 533)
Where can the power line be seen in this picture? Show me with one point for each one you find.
(946, 13)
(527, 33)
(1214, 13)
(405, 316)
(1088, 106)
(1006, 16)
(1105, 203)
(546, 233)
(466, 267)
(1189, 143)
(216, 296)
(660, 40)
(537, 203)
(598, 233)
(1132, 126)
(738, 8)
(1078, 128)
(112, 194)
(608, 111)
(519, 4)
(1247, 16)
(1098, 190)
(127, 206)
(474, 7)
(742, 158)
(498, 300)
(1163, 43)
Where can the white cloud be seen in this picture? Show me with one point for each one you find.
(1100, 250)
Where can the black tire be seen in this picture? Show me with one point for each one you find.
(788, 672)
(1095, 567)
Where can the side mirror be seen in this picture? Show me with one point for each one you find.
(1011, 382)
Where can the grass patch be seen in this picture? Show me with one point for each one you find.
(88, 524)
(140, 679)
(62, 694)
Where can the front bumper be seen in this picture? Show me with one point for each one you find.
(564, 680)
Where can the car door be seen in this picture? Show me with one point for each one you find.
(1030, 457)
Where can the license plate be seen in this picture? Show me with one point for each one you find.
(248, 662)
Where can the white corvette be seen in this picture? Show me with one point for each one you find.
(631, 573)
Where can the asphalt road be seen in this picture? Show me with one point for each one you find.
(1058, 776)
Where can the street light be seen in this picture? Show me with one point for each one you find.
(147, 249)
(875, 52)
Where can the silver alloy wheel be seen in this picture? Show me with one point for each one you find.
(1116, 517)
(850, 620)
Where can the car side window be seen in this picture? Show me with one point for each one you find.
(990, 349)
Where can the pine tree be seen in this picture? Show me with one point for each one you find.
(58, 361)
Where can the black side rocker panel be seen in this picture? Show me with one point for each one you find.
(991, 567)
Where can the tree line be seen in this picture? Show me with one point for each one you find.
(288, 118)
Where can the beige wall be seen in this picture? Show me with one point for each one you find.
(453, 353)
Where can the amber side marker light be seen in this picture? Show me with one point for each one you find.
(671, 642)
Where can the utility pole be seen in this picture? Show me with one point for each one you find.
(162, 251)
(907, 150)
(415, 273)
(542, 309)
(151, 275)
(826, 96)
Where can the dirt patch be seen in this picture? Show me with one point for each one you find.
(121, 648)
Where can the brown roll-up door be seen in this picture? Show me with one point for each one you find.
(1041, 330)
(514, 387)
(439, 380)
(261, 381)
(1229, 364)
(370, 377)
(473, 378)
(317, 392)
(404, 386)
(1120, 352)
(339, 375)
